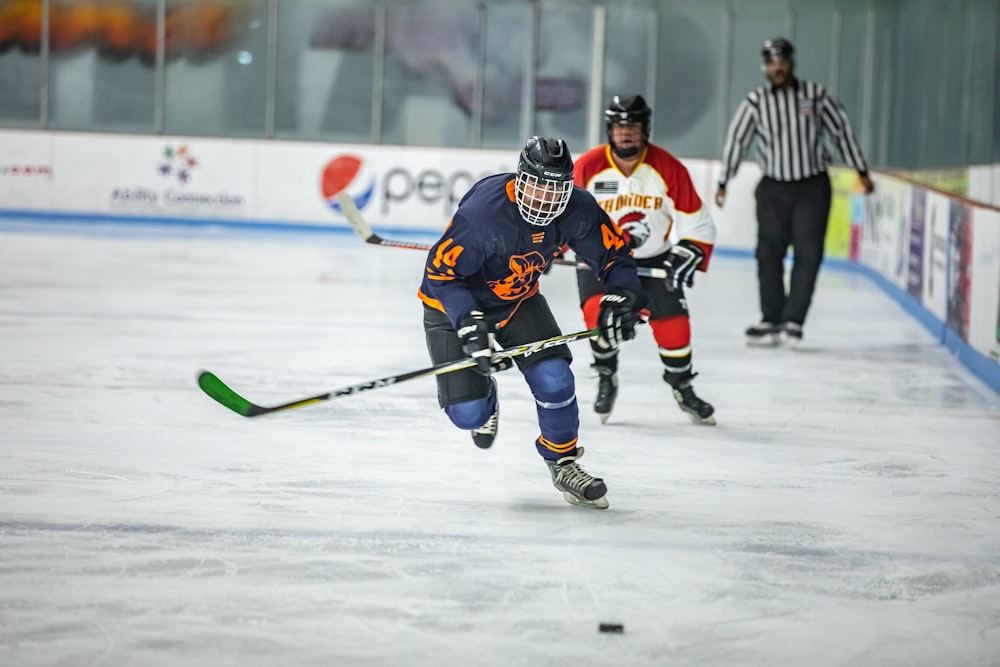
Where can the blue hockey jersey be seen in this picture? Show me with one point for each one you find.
(490, 259)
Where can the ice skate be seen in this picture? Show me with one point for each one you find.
(791, 334)
(699, 411)
(607, 392)
(765, 334)
(578, 487)
(484, 436)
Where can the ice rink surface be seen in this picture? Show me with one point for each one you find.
(845, 510)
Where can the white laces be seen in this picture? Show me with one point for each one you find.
(490, 427)
(573, 476)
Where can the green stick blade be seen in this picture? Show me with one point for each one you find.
(222, 394)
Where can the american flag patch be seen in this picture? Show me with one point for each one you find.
(807, 107)
(606, 188)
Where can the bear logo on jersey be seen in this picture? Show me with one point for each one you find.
(525, 271)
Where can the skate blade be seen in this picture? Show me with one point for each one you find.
(707, 421)
(599, 504)
(603, 416)
(771, 340)
(482, 445)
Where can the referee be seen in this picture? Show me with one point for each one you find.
(789, 119)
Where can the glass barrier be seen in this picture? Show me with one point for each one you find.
(326, 64)
(216, 67)
(102, 74)
(21, 77)
(486, 74)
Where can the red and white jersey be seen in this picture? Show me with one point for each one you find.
(659, 193)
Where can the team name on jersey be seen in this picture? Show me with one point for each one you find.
(613, 204)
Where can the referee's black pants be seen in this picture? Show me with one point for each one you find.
(790, 213)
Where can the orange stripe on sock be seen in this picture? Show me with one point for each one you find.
(557, 448)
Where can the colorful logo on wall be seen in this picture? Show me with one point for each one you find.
(177, 163)
(26, 170)
(350, 174)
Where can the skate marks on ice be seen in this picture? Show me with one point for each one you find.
(844, 510)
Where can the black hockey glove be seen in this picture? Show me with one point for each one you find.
(617, 316)
(682, 261)
(476, 335)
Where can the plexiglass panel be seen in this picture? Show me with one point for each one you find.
(326, 64)
(102, 74)
(216, 71)
(562, 83)
(753, 24)
(849, 87)
(686, 113)
(506, 51)
(431, 55)
(983, 133)
(630, 33)
(447, 73)
(20, 65)
(812, 35)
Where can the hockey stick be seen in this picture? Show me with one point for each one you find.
(368, 235)
(222, 394)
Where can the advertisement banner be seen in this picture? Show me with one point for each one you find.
(885, 237)
(858, 210)
(954, 181)
(292, 176)
(284, 182)
(960, 245)
(736, 220)
(839, 232)
(154, 176)
(935, 274)
(915, 260)
(26, 169)
(415, 188)
(984, 290)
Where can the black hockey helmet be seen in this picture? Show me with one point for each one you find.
(779, 47)
(546, 157)
(628, 109)
(544, 180)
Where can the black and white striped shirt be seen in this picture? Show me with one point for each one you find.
(789, 124)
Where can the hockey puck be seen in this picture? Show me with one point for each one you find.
(616, 628)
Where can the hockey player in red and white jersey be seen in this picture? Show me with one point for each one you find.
(648, 194)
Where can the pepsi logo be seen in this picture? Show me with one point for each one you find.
(350, 174)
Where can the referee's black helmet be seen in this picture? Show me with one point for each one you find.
(779, 47)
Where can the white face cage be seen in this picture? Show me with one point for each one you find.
(541, 200)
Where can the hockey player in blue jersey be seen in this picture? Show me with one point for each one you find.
(480, 289)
